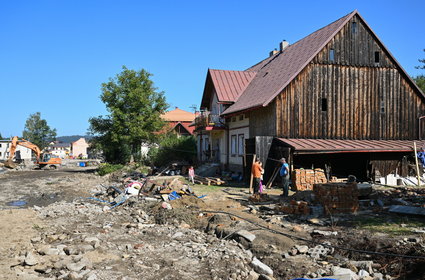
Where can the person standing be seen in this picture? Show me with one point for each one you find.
(192, 175)
(256, 173)
(284, 174)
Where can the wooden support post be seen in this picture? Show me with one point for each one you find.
(251, 190)
(271, 180)
(417, 165)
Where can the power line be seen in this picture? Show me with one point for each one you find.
(319, 243)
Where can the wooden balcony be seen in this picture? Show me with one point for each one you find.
(207, 121)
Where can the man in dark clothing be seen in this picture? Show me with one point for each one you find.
(284, 173)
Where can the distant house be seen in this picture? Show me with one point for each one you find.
(336, 97)
(178, 121)
(79, 148)
(59, 149)
(22, 153)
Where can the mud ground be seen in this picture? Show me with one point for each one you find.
(22, 190)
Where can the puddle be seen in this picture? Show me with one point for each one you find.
(17, 203)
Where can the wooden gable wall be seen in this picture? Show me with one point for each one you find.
(365, 99)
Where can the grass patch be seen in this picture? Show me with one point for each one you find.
(106, 168)
(389, 225)
(37, 227)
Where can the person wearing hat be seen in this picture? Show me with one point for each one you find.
(284, 174)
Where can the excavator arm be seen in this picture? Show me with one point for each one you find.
(27, 144)
(15, 142)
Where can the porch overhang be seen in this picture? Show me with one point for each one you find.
(334, 146)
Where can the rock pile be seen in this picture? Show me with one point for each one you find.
(83, 241)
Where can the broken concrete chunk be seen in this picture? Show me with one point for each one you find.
(325, 233)
(363, 273)
(339, 271)
(246, 234)
(410, 210)
(302, 249)
(76, 266)
(365, 265)
(177, 235)
(31, 259)
(261, 268)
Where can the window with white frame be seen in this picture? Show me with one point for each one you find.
(241, 145)
(233, 145)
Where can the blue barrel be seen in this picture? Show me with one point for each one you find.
(82, 164)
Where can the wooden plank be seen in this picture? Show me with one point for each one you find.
(251, 190)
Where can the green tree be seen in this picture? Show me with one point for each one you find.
(174, 148)
(423, 63)
(420, 79)
(38, 131)
(134, 107)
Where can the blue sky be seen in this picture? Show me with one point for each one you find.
(55, 54)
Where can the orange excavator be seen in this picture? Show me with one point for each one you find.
(42, 159)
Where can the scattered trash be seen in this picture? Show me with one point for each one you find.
(17, 203)
(166, 205)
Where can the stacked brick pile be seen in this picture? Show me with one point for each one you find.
(337, 197)
(296, 207)
(304, 179)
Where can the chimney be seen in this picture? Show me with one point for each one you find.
(283, 45)
(273, 52)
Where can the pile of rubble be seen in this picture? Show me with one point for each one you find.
(91, 243)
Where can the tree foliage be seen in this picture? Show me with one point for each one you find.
(423, 63)
(38, 131)
(134, 107)
(420, 79)
(173, 148)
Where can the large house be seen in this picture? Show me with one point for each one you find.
(336, 97)
(21, 153)
(59, 149)
(178, 121)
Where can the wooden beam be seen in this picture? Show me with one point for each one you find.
(251, 190)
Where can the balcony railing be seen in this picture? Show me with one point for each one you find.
(205, 119)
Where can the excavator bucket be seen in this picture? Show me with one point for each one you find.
(10, 164)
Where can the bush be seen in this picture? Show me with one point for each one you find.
(106, 168)
(173, 148)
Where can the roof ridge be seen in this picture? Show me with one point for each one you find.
(290, 61)
(349, 15)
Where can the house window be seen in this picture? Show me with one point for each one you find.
(233, 119)
(241, 117)
(241, 143)
(354, 27)
(377, 57)
(324, 104)
(331, 55)
(233, 145)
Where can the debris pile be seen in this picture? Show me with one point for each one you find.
(337, 197)
(304, 179)
(296, 207)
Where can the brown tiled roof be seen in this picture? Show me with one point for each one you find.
(277, 71)
(230, 84)
(177, 115)
(311, 146)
